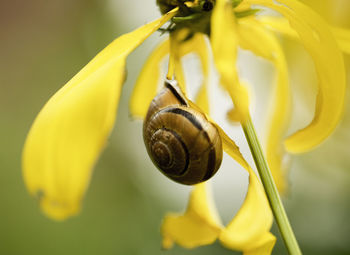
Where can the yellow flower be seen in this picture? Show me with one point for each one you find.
(71, 130)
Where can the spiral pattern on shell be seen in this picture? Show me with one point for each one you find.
(181, 142)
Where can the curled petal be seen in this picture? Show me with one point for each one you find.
(224, 43)
(71, 130)
(198, 226)
(342, 36)
(253, 36)
(322, 47)
(249, 229)
(146, 85)
(264, 245)
(281, 25)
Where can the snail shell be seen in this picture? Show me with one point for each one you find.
(181, 142)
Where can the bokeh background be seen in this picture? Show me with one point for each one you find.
(44, 43)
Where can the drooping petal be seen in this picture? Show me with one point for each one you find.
(224, 43)
(146, 85)
(342, 35)
(233, 114)
(264, 245)
(323, 49)
(197, 44)
(281, 25)
(202, 99)
(249, 229)
(175, 68)
(71, 130)
(254, 219)
(253, 36)
(199, 225)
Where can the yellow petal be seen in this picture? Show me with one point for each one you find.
(322, 47)
(281, 25)
(233, 114)
(224, 44)
(198, 45)
(198, 226)
(249, 229)
(175, 66)
(243, 6)
(253, 36)
(71, 130)
(342, 36)
(202, 99)
(264, 245)
(146, 85)
(232, 149)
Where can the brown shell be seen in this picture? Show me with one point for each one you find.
(181, 142)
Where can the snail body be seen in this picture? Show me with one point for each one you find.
(181, 142)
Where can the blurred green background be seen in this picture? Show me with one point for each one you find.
(42, 45)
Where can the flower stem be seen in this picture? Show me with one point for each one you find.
(270, 189)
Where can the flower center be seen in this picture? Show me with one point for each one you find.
(195, 14)
(186, 7)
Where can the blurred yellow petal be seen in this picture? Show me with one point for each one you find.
(198, 226)
(322, 47)
(197, 44)
(146, 85)
(342, 35)
(281, 25)
(243, 6)
(264, 245)
(253, 36)
(224, 44)
(71, 130)
(234, 115)
(175, 66)
(202, 99)
(249, 229)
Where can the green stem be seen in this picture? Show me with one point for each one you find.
(270, 189)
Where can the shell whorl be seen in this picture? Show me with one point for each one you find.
(181, 142)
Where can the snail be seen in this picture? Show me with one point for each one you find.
(180, 141)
